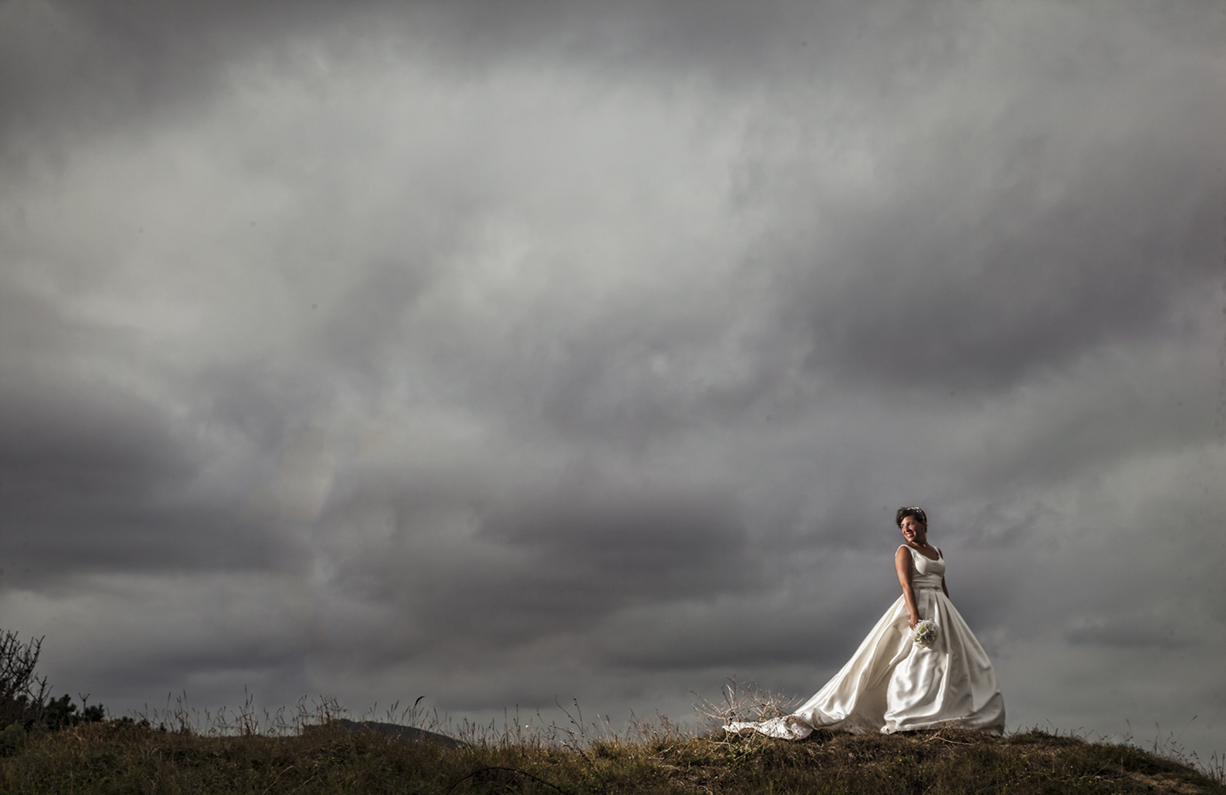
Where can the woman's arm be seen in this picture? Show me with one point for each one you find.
(944, 587)
(902, 565)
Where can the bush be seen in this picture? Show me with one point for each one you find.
(12, 739)
(60, 713)
(22, 694)
(24, 702)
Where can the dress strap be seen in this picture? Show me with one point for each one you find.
(914, 552)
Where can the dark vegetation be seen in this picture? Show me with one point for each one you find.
(24, 699)
(22, 693)
(114, 757)
(50, 747)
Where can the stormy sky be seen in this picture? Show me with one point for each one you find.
(505, 352)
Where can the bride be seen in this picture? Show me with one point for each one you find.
(895, 682)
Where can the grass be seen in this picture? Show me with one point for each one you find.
(308, 752)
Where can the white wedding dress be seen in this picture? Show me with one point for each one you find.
(891, 684)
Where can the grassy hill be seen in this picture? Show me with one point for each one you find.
(124, 757)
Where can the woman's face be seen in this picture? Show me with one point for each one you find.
(915, 531)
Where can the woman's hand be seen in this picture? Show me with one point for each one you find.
(914, 621)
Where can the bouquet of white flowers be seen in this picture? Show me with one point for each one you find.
(925, 634)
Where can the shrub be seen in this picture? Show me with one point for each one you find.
(22, 693)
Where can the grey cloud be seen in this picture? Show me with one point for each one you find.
(1015, 283)
(103, 483)
(751, 632)
(560, 566)
(363, 327)
(640, 544)
(76, 66)
(72, 68)
(1127, 633)
(618, 382)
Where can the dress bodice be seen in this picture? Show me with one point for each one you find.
(928, 572)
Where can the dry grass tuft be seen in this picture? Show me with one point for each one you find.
(742, 702)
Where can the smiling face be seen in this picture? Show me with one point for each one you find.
(915, 531)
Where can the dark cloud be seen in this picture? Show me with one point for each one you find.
(1047, 262)
(527, 571)
(74, 68)
(92, 479)
(645, 546)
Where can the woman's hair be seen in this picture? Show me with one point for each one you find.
(917, 512)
